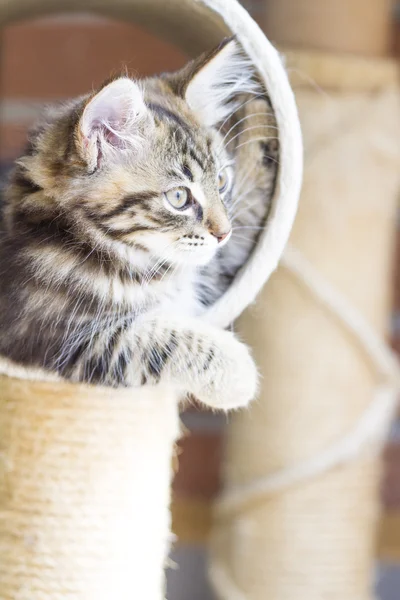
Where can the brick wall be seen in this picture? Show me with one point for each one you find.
(53, 59)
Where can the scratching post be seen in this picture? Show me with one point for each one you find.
(84, 491)
(298, 514)
(85, 471)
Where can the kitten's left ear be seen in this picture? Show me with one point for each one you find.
(110, 121)
(215, 78)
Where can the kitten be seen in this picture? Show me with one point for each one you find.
(119, 202)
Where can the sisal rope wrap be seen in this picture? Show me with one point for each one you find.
(79, 470)
(85, 472)
(369, 432)
(297, 516)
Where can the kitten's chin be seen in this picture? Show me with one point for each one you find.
(195, 259)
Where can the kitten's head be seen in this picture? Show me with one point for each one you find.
(143, 165)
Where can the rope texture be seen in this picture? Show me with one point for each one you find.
(84, 491)
(365, 439)
(368, 434)
(306, 530)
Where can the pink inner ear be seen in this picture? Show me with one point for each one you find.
(111, 116)
(112, 138)
(109, 132)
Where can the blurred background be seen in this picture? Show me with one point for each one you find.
(65, 55)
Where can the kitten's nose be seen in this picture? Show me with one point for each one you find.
(220, 235)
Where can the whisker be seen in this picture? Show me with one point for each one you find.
(248, 227)
(313, 84)
(260, 139)
(241, 237)
(237, 206)
(249, 129)
(244, 208)
(154, 270)
(240, 190)
(259, 114)
(253, 97)
(174, 269)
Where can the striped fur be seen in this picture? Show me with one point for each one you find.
(103, 279)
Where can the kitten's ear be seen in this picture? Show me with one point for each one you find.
(110, 121)
(215, 79)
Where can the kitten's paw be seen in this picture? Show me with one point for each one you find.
(233, 380)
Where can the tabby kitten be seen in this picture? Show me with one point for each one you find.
(120, 201)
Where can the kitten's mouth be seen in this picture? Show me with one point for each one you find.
(195, 251)
(225, 240)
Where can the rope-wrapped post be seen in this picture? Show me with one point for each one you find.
(84, 491)
(297, 517)
(85, 472)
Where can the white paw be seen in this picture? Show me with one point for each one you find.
(233, 380)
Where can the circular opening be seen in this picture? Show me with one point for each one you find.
(192, 24)
(53, 58)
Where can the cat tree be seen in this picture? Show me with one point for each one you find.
(298, 515)
(85, 471)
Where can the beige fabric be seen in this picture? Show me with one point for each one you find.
(314, 539)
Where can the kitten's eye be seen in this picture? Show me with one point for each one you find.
(178, 197)
(223, 181)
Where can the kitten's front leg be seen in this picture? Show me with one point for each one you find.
(211, 364)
